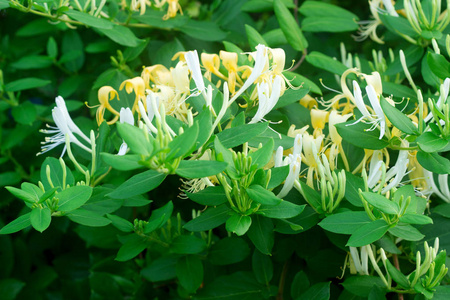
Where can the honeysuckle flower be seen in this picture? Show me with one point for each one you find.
(375, 168)
(443, 191)
(443, 94)
(126, 116)
(319, 118)
(376, 119)
(294, 161)
(180, 76)
(361, 265)
(397, 172)
(106, 94)
(136, 85)
(333, 119)
(230, 61)
(193, 64)
(139, 5)
(266, 102)
(260, 58)
(158, 74)
(64, 126)
(211, 62)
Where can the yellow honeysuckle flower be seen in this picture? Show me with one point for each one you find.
(319, 118)
(308, 101)
(137, 86)
(139, 5)
(211, 62)
(230, 61)
(336, 118)
(158, 74)
(106, 94)
(180, 78)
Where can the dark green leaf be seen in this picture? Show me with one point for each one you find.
(122, 162)
(359, 135)
(25, 84)
(238, 223)
(228, 251)
(397, 118)
(211, 218)
(397, 275)
(368, 233)
(434, 162)
(429, 142)
(284, 210)
(406, 232)
(121, 223)
(135, 138)
(289, 26)
(73, 197)
(262, 267)
(211, 196)
(138, 184)
(18, 224)
(88, 218)
(325, 62)
(319, 291)
(346, 222)
(187, 244)
(89, 20)
(261, 195)
(199, 168)
(261, 234)
(131, 248)
(189, 272)
(236, 136)
(382, 203)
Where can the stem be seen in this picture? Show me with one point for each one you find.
(282, 281)
(305, 52)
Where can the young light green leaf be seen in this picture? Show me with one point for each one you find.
(430, 142)
(122, 162)
(40, 218)
(238, 223)
(397, 275)
(284, 210)
(89, 19)
(183, 144)
(434, 162)
(382, 203)
(368, 233)
(416, 219)
(18, 224)
(325, 62)
(254, 37)
(21, 194)
(261, 195)
(263, 155)
(73, 197)
(406, 232)
(346, 222)
(135, 139)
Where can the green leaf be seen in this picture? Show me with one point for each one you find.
(187, 244)
(314, 24)
(4, 4)
(397, 118)
(25, 84)
(88, 218)
(406, 232)
(262, 267)
(284, 210)
(382, 203)
(154, 18)
(73, 197)
(21, 194)
(189, 272)
(359, 135)
(52, 47)
(397, 276)
(416, 219)
(289, 26)
(211, 218)
(263, 155)
(346, 222)
(135, 139)
(138, 184)
(159, 217)
(362, 285)
(121, 223)
(10, 288)
(121, 35)
(161, 269)
(277, 176)
(18, 224)
(199, 168)
(398, 25)
(368, 233)
(238, 224)
(236, 136)
(122, 162)
(203, 30)
(261, 195)
(275, 38)
(131, 248)
(228, 251)
(319, 291)
(352, 185)
(211, 196)
(325, 62)
(89, 20)
(32, 62)
(438, 65)
(434, 162)
(429, 142)
(311, 195)
(261, 234)
(183, 144)
(291, 96)
(254, 37)
(25, 113)
(40, 218)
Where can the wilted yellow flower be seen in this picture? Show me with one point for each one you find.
(137, 86)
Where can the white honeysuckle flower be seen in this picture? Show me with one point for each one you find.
(266, 102)
(64, 126)
(260, 58)
(279, 157)
(398, 171)
(390, 8)
(375, 169)
(361, 265)
(180, 75)
(444, 90)
(193, 64)
(377, 119)
(295, 161)
(126, 116)
(443, 190)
